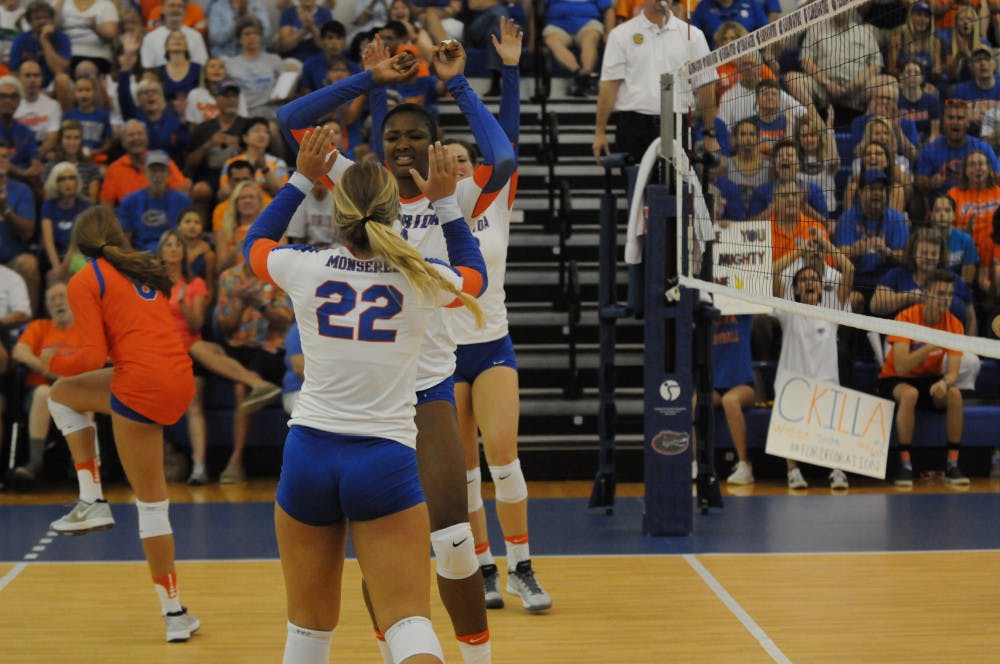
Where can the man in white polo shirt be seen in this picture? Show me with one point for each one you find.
(653, 43)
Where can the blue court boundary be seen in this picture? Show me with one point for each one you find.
(565, 527)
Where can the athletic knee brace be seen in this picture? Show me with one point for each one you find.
(455, 551)
(413, 636)
(68, 420)
(154, 519)
(473, 485)
(509, 482)
(306, 646)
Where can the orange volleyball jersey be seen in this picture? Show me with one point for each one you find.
(132, 325)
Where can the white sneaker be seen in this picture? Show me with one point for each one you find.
(795, 479)
(742, 474)
(180, 626)
(84, 518)
(521, 582)
(838, 479)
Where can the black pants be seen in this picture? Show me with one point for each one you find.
(634, 132)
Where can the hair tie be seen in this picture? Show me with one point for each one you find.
(100, 249)
(365, 219)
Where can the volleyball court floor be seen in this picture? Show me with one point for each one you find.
(868, 576)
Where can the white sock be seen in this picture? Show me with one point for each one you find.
(476, 654)
(486, 556)
(166, 590)
(517, 550)
(383, 648)
(307, 646)
(198, 467)
(89, 477)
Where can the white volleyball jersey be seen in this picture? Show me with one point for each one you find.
(361, 326)
(420, 226)
(492, 231)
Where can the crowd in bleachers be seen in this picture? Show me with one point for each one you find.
(165, 111)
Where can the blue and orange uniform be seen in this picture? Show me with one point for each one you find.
(131, 324)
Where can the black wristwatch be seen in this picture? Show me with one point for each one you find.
(710, 132)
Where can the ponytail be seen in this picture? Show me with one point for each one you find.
(98, 234)
(424, 279)
(365, 203)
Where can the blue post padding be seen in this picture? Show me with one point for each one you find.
(668, 382)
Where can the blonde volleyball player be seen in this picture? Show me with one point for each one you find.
(408, 132)
(486, 390)
(349, 461)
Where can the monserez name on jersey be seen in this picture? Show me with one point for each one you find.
(354, 265)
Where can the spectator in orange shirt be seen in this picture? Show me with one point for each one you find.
(238, 171)
(152, 13)
(57, 333)
(915, 376)
(790, 228)
(127, 174)
(976, 197)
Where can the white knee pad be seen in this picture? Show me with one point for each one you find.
(154, 519)
(68, 420)
(509, 482)
(455, 551)
(473, 485)
(413, 636)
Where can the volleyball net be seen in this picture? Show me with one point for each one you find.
(817, 170)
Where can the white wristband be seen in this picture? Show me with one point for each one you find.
(447, 209)
(300, 182)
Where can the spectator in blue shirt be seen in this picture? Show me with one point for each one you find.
(299, 35)
(710, 14)
(917, 104)
(165, 129)
(63, 202)
(332, 39)
(147, 213)
(982, 91)
(17, 228)
(940, 163)
(576, 23)
(48, 46)
(883, 102)
(962, 257)
(872, 234)
(25, 164)
(785, 165)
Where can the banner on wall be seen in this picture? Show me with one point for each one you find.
(829, 425)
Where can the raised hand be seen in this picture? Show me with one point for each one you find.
(509, 44)
(397, 69)
(315, 158)
(442, 173)
(375, 53)
(449, 59)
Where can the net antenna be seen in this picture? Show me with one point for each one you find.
(737, 285)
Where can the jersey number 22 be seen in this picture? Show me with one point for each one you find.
(386, 303)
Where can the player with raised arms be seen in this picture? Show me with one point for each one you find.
(349, 460)
(407, 135)
(120, 301)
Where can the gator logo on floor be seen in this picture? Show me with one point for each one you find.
(669, 443)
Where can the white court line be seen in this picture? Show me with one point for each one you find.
(755, 630)
(11, 575)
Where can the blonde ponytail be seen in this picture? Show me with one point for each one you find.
(365, 204)
(423, 278)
